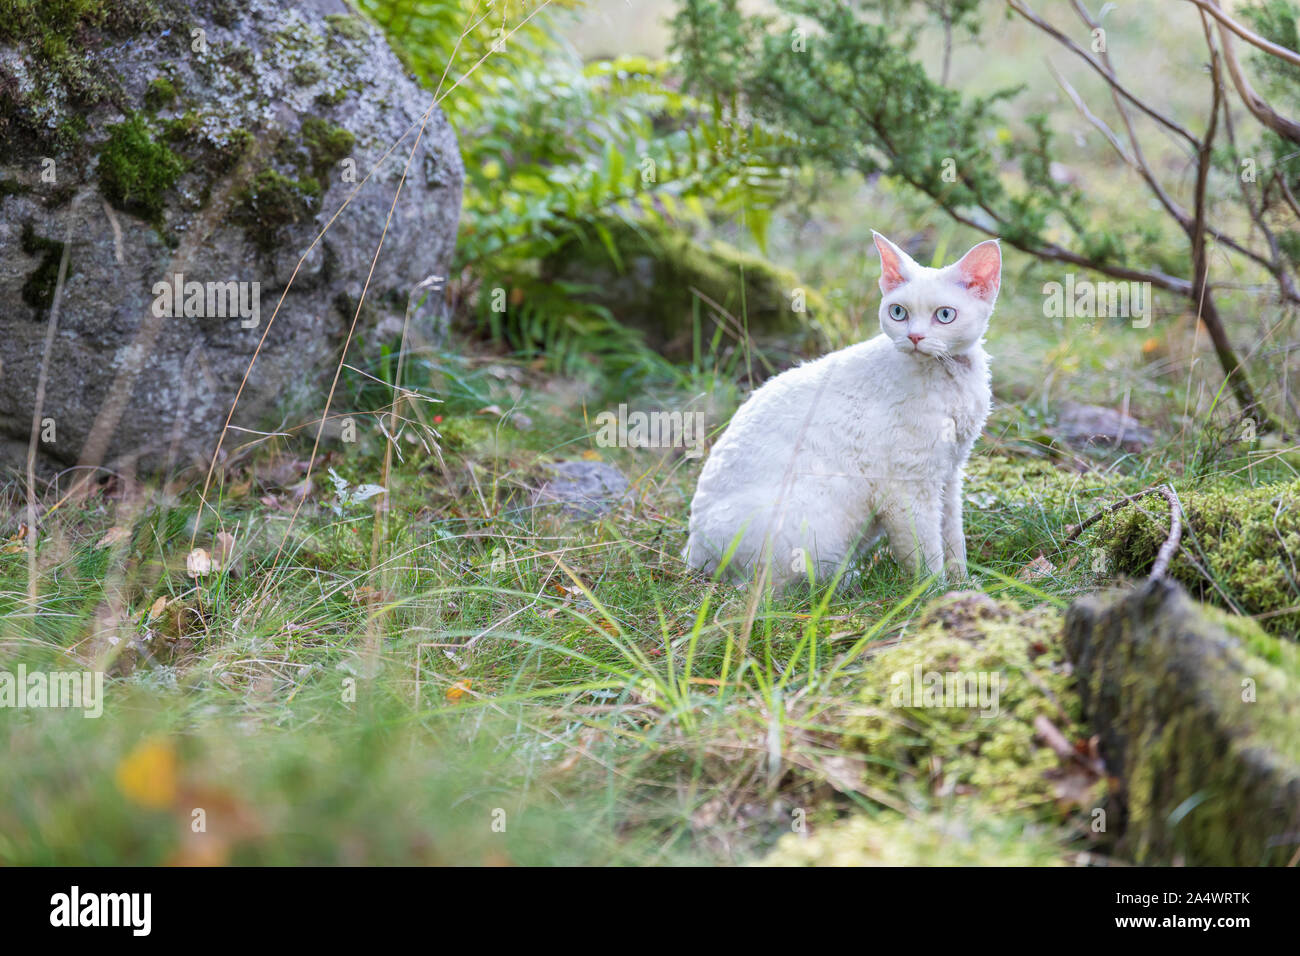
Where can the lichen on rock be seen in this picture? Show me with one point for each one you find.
(59, 74)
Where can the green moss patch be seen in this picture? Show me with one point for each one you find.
(326, 144)
(333, 97)
(159, 94)
(962, 839)
(951, 708)
(345, 26)
(135, 169)
(11, 187)
(275, 199)
(656, 279)
(1239, 544)
(272, 201)
(307, 73)
(1034, 485)
(56, 37)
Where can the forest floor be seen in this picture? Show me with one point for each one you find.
(450, 671)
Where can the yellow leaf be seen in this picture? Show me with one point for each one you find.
(591, 455)
(147, 775)
(457, 690)
(17, 542)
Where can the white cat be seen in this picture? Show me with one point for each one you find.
(870, 441)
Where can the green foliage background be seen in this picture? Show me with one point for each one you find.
(555, 149)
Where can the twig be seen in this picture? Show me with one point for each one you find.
(1170, 547)
(1172, 540)
(1282, 53)
(1073, 531)
(51, 329)
(1073, 47)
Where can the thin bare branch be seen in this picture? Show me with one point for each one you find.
(1259, 108)
(1123, 91)
(1226, 22)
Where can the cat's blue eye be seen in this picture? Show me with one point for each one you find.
(897, 312)
(945, 315)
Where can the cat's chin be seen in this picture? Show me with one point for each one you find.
(908, 349)
(950, 360)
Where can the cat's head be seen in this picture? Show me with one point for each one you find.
(937, 312)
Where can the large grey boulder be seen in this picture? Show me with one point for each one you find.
(212, 140)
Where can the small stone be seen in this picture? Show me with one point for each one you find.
(1096, 425)
(583, 488)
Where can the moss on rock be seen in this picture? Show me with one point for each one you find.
(951, 707)
(160, 93)
(326, 144)
(307, 73)
(135, 169)
(271, 201)
(347, 27)
(275, 199)
(1199, 716)
(1240, 542)
(38, 290)
(57, 37)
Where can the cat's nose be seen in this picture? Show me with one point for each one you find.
(915, 337)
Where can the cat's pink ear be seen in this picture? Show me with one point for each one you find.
(980, 270)
(893, 271)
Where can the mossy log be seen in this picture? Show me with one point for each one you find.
(1199, 716)
(947, 720)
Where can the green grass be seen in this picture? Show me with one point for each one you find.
(380, 686)
(446, 673)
